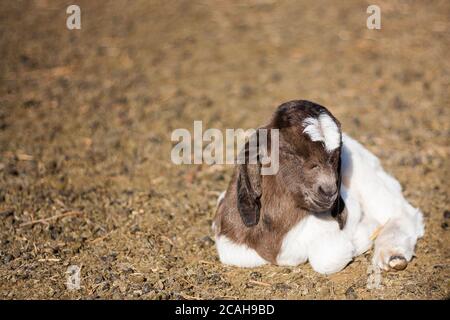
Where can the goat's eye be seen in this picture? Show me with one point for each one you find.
(313, 166)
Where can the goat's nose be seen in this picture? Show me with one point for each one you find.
(327, 190)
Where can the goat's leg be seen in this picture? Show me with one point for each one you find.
(394, 246)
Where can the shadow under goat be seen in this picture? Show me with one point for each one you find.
(329, 201)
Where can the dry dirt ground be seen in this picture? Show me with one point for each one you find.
(86, 118)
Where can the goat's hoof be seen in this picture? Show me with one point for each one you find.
(398, 262)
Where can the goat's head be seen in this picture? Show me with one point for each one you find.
(309, 162)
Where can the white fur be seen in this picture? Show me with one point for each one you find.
(373, 200)
(382, 203)
(323, 129)
(319, 240)
(237, 254)
(294, 249)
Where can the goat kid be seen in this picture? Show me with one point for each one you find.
(330, 201)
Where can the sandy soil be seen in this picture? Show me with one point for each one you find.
(86, 118)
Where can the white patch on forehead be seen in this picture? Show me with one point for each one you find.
(323, 129)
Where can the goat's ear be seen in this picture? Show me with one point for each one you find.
(337, 212)
(249, 189)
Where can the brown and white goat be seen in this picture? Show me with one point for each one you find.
(328, 199)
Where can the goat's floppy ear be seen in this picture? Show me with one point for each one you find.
(337, 212)
(249, 189)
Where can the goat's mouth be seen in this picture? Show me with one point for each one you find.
(321, 205)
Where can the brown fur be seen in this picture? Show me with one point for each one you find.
(259, 210)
